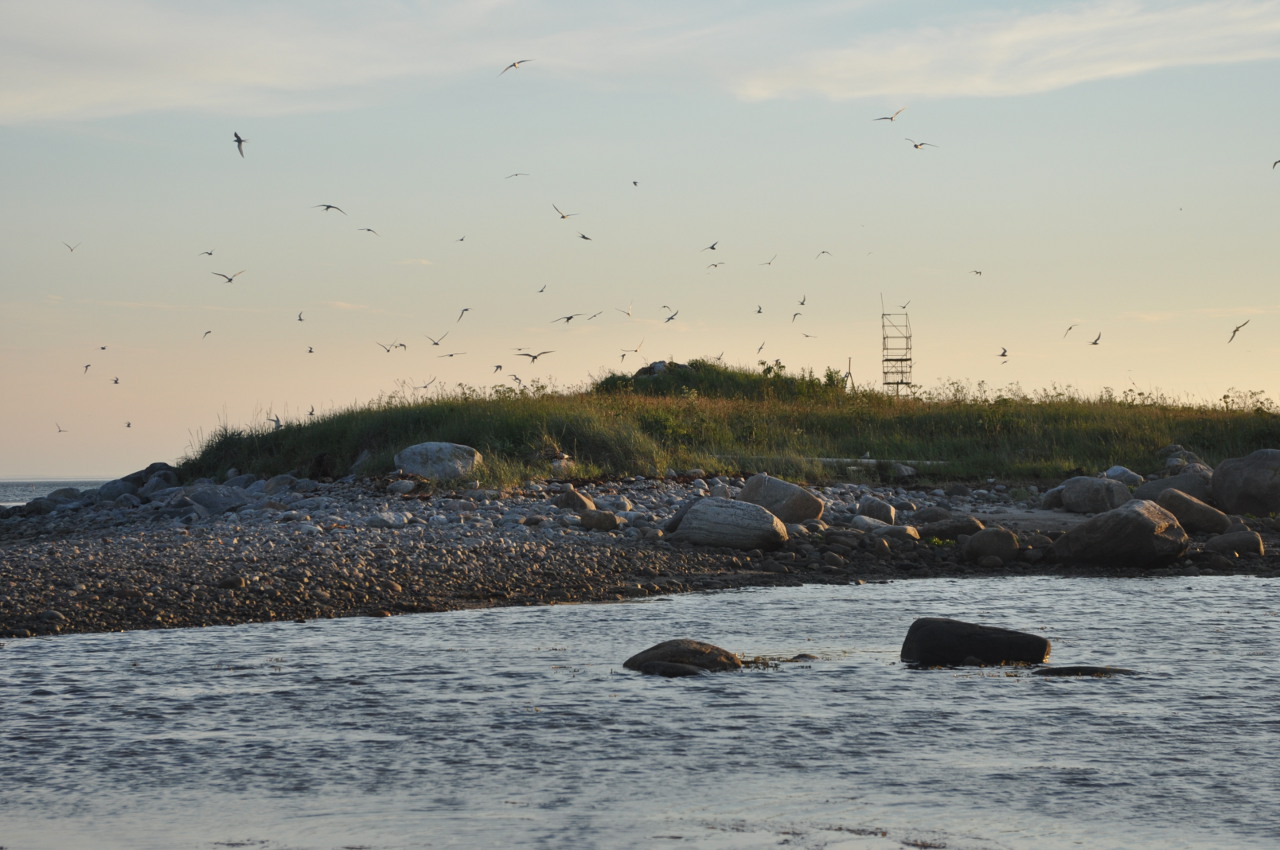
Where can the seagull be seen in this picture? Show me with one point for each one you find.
(208, 253)
(312, 411)
(759, 308)
(386, 348)
(566, 319)
(435, 341)
(61, 430)
(793, 317)
(593, 315)
(515, 64)
(230, 277)
(904, 306)
(453, 354)
(205, 334)
(582, 235)
(239, 143)
(516, 174)
(115, 380)
(369, 229)
(892, 117)
(1068, 330)
(1237, 328)
(497, 369)
(712, 246)
(563, 215)
(426, 385)
(543, 289)
(1004, 352)
(820, 253)
(299, 315)
(327, 207)
(771, 259)
(760, 349)
(672, 316)
(715, 265)
(803, 298)
(276, 420)
(460, 315)
(919, 145)
(533, 358)
(72, 248)
(635, 350)
(626, 312)
(1096, 338)
(978, 272)
(86, 368)
(310, 350)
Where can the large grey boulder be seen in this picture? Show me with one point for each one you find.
(950, 529)
(726, 522)
(788, 502)
(879, 509)
(113, 490)
(1124, 475)
(940, 641)
(1249, 484)
(1085, 495)
(1237, 543)
(1194, 484)
(998, 542)
(668, 657)
(218, 498)
(1193, 515)
(438, 461)
(1137, 534)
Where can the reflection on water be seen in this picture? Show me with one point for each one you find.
(519, 727)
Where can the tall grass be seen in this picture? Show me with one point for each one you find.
(729, 420)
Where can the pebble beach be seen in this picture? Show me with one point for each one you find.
(295, 549)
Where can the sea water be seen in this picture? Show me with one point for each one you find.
(15, 491)
(519, 727)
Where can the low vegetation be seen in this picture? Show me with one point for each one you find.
(733, 420)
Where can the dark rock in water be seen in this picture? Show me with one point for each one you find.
(940, 641)
(670, 670)
(1083, 670)
(684, 653)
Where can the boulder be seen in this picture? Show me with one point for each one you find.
(998, 542)
(788, 502)
(115, 489)
(438, 461)
(950, 529)
(1250, 484)
(1137, 534)
(1124, 475)
(1085, 495)
(877, 509)
(218, 498)
(933, 513)
(1193, 515)
(1193, 484)
(686, 653)
(599, 520)
(573, 500)
(940, 641)
(1236, 543)
(731, 523)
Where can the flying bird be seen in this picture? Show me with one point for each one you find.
(566, 319)
(892, 117)
(312, 411)
(978, 272)
(760, 349)
(1096, 338)
(1237, 328)
(1274, 164)
(115, 380)
(327, 207)
(919, 145)
(515, 64)
(239, 144)
(904, 306)
(533, 358)
(582, 235)
(803, 298)
(497, 369)
(205, 334)
(1068, 330)
(229, 277)
(771, 259)
(299, 315)
(86, 368)
(369, 229)
(435, 341)
(310, 350)
(72, 248)
(793, 317)
(128, 424)
(715, 265)
(1004, 352)
(453, 354)
(276, 420)
(208, 253)
(712, 246)
(563, 215)
(464, 311)
(61, 430)
(672, 316)
(516, 174)
(543, 289)
(820, 253)
(759, 308)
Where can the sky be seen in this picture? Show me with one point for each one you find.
(1107, 167)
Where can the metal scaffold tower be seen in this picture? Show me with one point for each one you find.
(895, 351)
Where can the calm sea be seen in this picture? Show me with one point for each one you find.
(520, 728)
(14, 491)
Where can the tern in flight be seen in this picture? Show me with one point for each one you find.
(208, 253)
(712, 246)
(299, 315)
(369, 229)
(1068, 330)
(978, 272)
(919, 145)
(72, 248)
(904, 306)
(426, 385)
(61, 430)
(435, 341)
(239, 144)
(771, 259)
(205, 334)
(533, 358)
(276, 420)
(820, 253)
(563, 215)
(310, 350)
(543, 289)
(128, 424)
(893, 117)
(515, 64)
(803, 298)
(759, 308)
(86, 368)
(1004, 352)
(327, 207)
(582, 235)
(1274, 164)
(760, 349)
(1096, 338)
(497, 369)
(464, 311)
(793, 317)
(229, 277)
(312, 411)
(115, 380)
(516, 174)
(566, 319)
(672, 316)
(626, 312)
(453, 354)
(1237, 328)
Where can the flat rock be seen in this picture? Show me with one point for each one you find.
(685, 652)
(734, 524)
(941, 641)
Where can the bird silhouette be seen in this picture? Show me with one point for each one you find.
(239, 144)
(793, 317)
(276, 420)
(515, 64)
(582, 235)
(712, 246)
(205, 334)
(516, 174)
(760, 349)
(1237, 328)
(566, 319)
(671, 317)
(229, 277)
(1004, 352)
(919, 145)
(327, 207)
(893, 117)
(312, 411)
(115, 380)
(453, 354)
(86, 368)
(72, 248)
(904, 306)
(299, 315)
(61, 430)
(208, 253)
(463, 312)
(770, 262)
(435, 341)
(369, 230)
(533, 358)
(820, 253)
(978, 272)
(563, 215)
(1068, 330)
(1096, 338)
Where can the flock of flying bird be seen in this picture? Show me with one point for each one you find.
(533, 357)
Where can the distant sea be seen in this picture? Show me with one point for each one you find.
(19, 491)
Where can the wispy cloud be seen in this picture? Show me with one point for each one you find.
(1013, 53)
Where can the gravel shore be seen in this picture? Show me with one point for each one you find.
(306, 550)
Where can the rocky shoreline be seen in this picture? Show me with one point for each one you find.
(158, 555)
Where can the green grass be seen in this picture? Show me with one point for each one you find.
(727, 420)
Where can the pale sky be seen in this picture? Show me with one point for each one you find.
(1106, 165)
